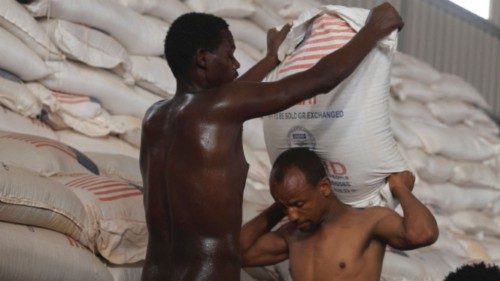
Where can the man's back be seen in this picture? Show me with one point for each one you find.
(194, 171)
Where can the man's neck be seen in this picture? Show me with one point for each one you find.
(335, 210)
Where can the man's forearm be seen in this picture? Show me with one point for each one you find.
(260, 225)
(419, 223)
(337, 66)
(260, 69)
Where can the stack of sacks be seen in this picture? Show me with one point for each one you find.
(452, 144)
(86, 207)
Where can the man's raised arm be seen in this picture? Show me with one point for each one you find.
(246, 100)
(417, 228)
(258, 245)
(270, 61)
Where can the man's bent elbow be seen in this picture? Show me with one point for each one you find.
(424, 237)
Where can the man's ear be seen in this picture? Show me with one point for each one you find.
(201, 58)
(325, 186)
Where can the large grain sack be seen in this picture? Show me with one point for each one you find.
(18, 21)
(131, 129)
(168, 10)
(264, 17)
(456, 111)
(403, 135)
(18, 98)
(248, 32)
(121, 166)
(475, 174)
(136, 33)
(37, 254)
(455, 88)
(410, 109)
(27, 198)
(437, 264)
(412, 90)
(15, 56)
(253, 134)
(398, 266)
(108, 89)
(16, 123)
(223, 8)
(431, 168)
(118, 211)
(296, 7)
(87, 45)
(43, 156)
(359, 159)
(107, 144)
(452, 143)
(451, 198)
(81, 107)
(474, 222)
(407, 67)
(99, 126)
(255, 54)
(154, 74)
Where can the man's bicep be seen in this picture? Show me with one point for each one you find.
(269, 249)
(250, 99)
(390, 230)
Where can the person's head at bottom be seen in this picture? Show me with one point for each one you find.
(475, 272)
(199, 49)
(299, 182)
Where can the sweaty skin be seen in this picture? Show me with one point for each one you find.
(327, 240)
(192, 160)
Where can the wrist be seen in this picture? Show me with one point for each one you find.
(272, 57)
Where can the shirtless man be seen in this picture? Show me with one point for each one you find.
(324, 238)
(192, 160)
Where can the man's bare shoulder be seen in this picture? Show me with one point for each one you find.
(375, 213)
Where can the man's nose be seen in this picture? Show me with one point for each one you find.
(292, 215)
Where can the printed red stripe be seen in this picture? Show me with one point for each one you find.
(63, 151)
(77, 180)
(115, 190)
(120, 196)
(331, 38)
(109, 185)
(98, 183)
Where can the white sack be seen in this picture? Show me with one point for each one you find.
(255, 54)
(407, 89)
(139, 35)
(365, 153)
(410, 109)
(253, 134)
(31, 253)
(454, 87)
(18, 21)
(18, 98)
(115, 165)
(248, 32)
(127, 272)
(451, 198)
(107, 88)
(431, 168)
(43, 156)
(154, 74)
(87, 45)
(475, 174)
(118, 210)
(403, 135)
(107, 144)
(407, 67)
(15, 56)
(474, 222)
(265, 18)
(296, 7)
(16, 123)
(27, 198)
(223, 8)
(455, 111)
(450, 142)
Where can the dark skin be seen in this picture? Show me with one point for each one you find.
(328, 240)
(192, 160)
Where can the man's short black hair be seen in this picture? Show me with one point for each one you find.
(186, 35)
(475, 272)
(302, 158)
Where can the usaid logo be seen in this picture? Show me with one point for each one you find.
(300, 137)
